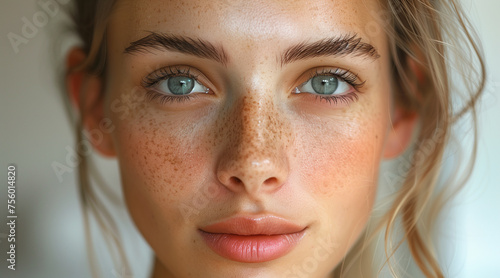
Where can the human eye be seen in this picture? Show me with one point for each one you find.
(331, 85)
(174, 83)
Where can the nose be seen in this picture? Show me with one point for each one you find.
(254, 157)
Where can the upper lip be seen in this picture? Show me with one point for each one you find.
(264, 225)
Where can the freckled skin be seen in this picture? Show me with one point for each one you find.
(260, 147)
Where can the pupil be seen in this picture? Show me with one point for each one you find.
(325, 84)
(180, 85)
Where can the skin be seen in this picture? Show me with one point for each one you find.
(250, 147)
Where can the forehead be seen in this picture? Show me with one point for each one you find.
(261, 23)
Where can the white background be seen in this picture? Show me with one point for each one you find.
(34, 133)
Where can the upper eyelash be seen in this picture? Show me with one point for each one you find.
(344, 75)
(164, 73)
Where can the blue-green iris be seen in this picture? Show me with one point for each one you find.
(324, 84)
(180, 85)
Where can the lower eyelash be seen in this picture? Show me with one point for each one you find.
(164, 99)
(346, 99)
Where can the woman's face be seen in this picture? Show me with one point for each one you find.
(249, 133)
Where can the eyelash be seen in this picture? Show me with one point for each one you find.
(343, 75)
(161, 74)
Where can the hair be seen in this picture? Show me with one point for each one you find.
(434, 35)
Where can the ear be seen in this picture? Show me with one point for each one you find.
(403, 120)
(400, 133)
(86, 94)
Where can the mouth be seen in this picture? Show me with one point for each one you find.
(252, 239)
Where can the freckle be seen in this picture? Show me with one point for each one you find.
(198, 26)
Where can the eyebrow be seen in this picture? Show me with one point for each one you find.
(337, 46)
(196, 47)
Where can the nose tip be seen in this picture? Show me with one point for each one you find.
(254, 157)
(267, 175)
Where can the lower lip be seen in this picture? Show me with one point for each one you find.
(253, 248)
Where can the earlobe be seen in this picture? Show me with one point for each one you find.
(86, 94)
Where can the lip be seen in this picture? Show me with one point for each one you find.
(252, 239)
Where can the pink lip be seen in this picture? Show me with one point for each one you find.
(252, 240)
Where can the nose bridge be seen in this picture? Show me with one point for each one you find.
(256, 139)
(257, 124)
(255, 155)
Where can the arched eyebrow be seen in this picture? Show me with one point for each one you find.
(337, 46)
(196, 47)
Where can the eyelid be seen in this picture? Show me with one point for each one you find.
(342, 74)
(153, 78)
(352, 80)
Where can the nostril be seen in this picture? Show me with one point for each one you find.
(235, 180)
(242, 173)
(271, 181)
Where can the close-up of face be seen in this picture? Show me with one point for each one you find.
(249, 134)
(250, 138)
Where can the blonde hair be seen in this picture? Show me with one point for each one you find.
(434, 35)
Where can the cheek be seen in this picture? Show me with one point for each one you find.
(344, 158)
(339, 163)
(161, 165)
